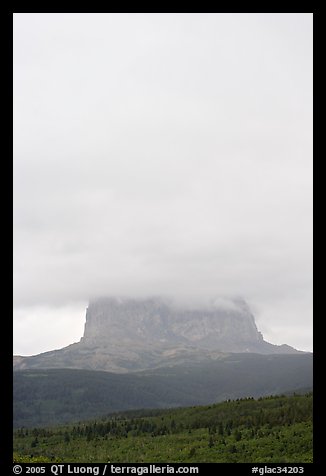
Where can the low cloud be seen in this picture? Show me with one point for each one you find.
(163, 155)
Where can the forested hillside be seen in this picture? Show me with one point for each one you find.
(273, 429)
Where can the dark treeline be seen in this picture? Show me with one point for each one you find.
(283, 422)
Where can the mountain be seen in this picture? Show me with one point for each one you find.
(125, 335)
(53, 396)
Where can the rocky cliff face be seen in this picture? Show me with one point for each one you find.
(158, 322)
(123, 334)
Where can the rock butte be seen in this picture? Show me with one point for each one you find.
(128, 334)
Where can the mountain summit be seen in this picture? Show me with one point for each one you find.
(127, 334)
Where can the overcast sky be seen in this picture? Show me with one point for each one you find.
(161, 154)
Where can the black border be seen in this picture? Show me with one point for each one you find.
(6, 347)
(317, 332)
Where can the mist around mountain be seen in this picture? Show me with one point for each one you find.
(128, 335)
(147, 356)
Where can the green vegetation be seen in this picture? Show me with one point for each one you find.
(272, 429)
(44, 397)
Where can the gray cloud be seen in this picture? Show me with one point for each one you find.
(163, 154)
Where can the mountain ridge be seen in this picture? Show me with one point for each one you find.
(44, 396)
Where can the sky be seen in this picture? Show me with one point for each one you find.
(161, 154)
